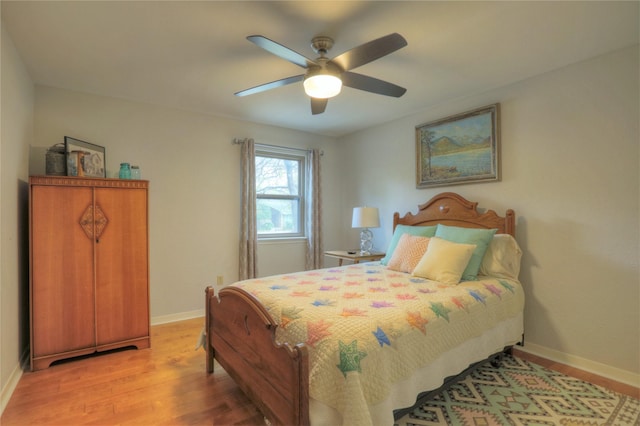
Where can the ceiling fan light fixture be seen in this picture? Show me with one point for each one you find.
(322, 85)
(325, 77)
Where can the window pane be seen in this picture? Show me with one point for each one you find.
(277, 216)
(277, 176)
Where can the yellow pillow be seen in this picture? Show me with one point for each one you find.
(444, 261)
(408, 253)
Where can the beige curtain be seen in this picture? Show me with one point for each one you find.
(248, 231)
(314, 254)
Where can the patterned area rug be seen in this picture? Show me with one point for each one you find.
(523, 393)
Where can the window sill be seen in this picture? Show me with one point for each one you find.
(282, 240)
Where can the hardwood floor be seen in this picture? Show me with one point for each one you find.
(579, 374)
(164, 385)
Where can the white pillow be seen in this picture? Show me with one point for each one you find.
(502, 258)
(444, 261)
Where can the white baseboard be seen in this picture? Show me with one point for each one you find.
(164, 319)
(14, 378)
(8, 389)
(603, 370)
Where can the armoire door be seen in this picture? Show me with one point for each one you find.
(62, 293)
(122, 299)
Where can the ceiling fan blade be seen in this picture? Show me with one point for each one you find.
(370, 84)
(281, 51)
(318, 105)
(269, 86)
(370, 51)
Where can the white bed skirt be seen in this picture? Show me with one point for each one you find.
(431, 376)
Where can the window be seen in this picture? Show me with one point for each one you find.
(279, 192)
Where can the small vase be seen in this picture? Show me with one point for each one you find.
(125, 171)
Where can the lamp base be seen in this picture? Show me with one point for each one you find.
(365, 242)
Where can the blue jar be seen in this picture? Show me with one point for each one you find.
(125, 171)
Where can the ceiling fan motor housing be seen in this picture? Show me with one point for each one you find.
(324, 66)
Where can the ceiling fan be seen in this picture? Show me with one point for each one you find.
(324, 77)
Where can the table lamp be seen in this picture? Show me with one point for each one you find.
(365, 218)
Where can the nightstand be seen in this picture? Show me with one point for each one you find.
(355, 256)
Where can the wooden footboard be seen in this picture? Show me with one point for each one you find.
(241, 337)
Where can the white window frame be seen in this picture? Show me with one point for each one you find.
(286, 154)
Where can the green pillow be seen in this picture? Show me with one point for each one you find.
(419, 231)
(480, 237)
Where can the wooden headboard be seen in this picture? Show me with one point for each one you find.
(451, 209)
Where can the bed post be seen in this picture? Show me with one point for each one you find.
(510, 223)
(210, 294)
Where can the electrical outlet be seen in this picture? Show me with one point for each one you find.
(220, 280)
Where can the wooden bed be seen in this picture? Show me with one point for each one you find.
(240, 332)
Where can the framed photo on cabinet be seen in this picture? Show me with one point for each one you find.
(463, 148)
(84, 158)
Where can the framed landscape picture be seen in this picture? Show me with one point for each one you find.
(84, 158)
(464, 148)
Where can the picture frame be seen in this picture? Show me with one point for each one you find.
(463, 148)
(84, 158)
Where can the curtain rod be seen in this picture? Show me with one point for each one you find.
(239, 141)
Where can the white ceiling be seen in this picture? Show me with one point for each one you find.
(194, 55)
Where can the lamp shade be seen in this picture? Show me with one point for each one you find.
(365, 217)
(322, 85)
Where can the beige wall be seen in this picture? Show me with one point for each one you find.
(17, 133)
(570, 164)
(193, 169)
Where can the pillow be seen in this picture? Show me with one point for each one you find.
(422, 231)
(408, 253)
(444, 261)
(502, 258)
(479, 237)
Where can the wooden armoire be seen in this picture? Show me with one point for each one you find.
(89, 267)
